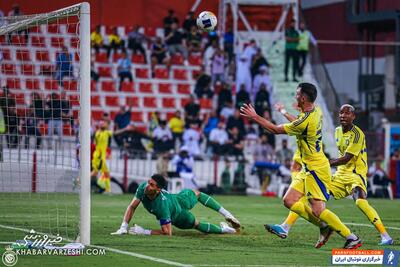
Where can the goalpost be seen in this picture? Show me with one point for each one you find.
(45, 124)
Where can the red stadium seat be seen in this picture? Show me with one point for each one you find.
(75, 114)
(21, 112)
(6, 54)
(138, 59)
(74, 99)
(112, 101)
(150, 102)
(47, 69)
(42, 56)
(165, 88)
(32, 84)
(23, 55)
(70, 85)
(161, 73)
(97, 115)
(205, 103)
(9, 69)
(18, 40)
(57, 41)
(145, 88)
(169, 115)
(20, 98)
(116, 56)
(150, 31)
(101, 58)
(3, 40)
(105, 71)
(13, 83)
(35, 29)
(74, 42)
(168, 103)
(132, 101)
(67, 129)
(72, 28)
(51, 85)
(127, 87)
(195, 74)
(93, 86)
(177, 59)
(195, 60)
(180, 74)
(53, 28)
(142, 73)
(38, 41)
(137, 116)
(108, 86)
(95, 100)
(184, 101)
(184, 89)
(28, 69)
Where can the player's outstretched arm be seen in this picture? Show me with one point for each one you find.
(342, 160)
(281, 108)
(130, 210)
(248, 111)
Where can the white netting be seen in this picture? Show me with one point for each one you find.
(39, 101)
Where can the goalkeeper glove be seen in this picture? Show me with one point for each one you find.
(122, 230)
(138, 230)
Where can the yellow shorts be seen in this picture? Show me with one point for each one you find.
(343, 183)
(298, 181)
(317, 183)
(99, 163)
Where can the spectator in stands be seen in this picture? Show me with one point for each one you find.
(395, 155)
(305, 38)
(250, 51)
(121, 121)
(210, 122)
(175, 41)
(114, 42)
(263, 152)
(136, 40)
(16, 11)
(94, 75)
(124, 69)
(193, 40)
(30, 128)
(154, 122)
(191, 139)
(258, 61)
(203, 80)
(54, 113)
(131, 140)
(228, 43)
(218, 140)
(261, 102)
(242, 96)
(207, 57)
(225, 95)
(236, 121)
(205, 92)
(12, 122)
(189, 22)
(192, 111)
(177, 126)
(96, 39)
(236, 143)
(63, 65)
(66, 108)
(8, 100)
(218, 66)
(162, 137)
(291, 54)
(284, 153)
(243, 75)
(184, 164)
(271, 137)
(169, 20)
(38, 105)
(228, 110)
(159, 54)
(261, 78)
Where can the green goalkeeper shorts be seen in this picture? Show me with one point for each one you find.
(187, 199)
(185, 220)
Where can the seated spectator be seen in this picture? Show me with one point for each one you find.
(236, 142)
(154, 122)
(236, 121)
(218, 140)
(262, 78)
(224, 95)
(261, 103)
(30, 128)
(94, 75)
(124, 69)
(189, 22)
(121, 121)
(242, 96)
(159, 54)
(96, 39)
(175, 41)
(258, 61)
(218, 66)
(114, 42)
(263, 152)
(205, 92)
(284, 153)
(211, 122)
(66, 113)
(132, 140)
(193, 40)
(379, 177)
(271, 137)
(191, 139)
(203, 81)
(169, 20)
(63, 65)
(228, 110)
(192, 111)
(136, 41)
(162, 136)
(177, 126)
(184, 163)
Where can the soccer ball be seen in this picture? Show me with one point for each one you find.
(207, 21)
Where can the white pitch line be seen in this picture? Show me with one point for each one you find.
(132, 254)
(371, 226)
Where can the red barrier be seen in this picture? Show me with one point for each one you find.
(393, 174)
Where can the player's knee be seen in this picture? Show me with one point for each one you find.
(317, 211)
(288, 201)
(196, 192)
(358, 193)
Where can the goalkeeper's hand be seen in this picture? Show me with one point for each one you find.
(120, 231)
(138, 230)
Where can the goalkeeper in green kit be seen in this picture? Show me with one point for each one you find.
(174, 209)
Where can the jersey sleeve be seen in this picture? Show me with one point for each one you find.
(140, 191)
(297, 126)
(164, 214)
(355, 144)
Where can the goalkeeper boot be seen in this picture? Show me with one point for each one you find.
(353, 243)
(226, 229)
(232, 221)
(276, 229)
(324, 235)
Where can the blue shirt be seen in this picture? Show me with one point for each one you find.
(124, 65)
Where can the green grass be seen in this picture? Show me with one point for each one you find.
(252, 247)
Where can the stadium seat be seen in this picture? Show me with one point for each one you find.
(18, 40)
(75, 113)
(205, 103)
(180, 74)
(74, 42)
(6, 53)
(51, 85)
(169, 115)
(53, 28)
(32, 84)
(116, 57)
(137, 116)
(150, 31)
(195, 74)
(108, 86)
(101, 58)
(184, 89)
(70, 85)
(132, 101)
(28, 69)
(21, 112)
(127, 87)
(105, 71)
(138, 59)
(161, 73)
(95, 100)
(13, 83)
(168, 102)
(184, 101)
(97, 115)
(150, 102)
(67, 129)
(112, 101)
(177, 59)
(3, 40)
(57, 41)
(9, 69)
(145, 87)
(195, 60)
(20, 98)
(42, 56)
(142, 73)
(164, 88)
(35, 29)
(74, 100)
(47, 69)
(38, 41)
(93, 86)
(72, 28)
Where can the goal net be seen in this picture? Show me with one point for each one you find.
(45, 124)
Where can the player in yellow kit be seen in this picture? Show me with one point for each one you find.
(308, 131)
(350, 177)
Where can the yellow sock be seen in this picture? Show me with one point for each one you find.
(335, 223)
(291, 218)
(371, 214)
(305, 211)
(108, 184)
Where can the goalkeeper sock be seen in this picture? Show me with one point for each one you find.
(305, 211)
(211, 203)
(107, 182)
(372, 216)
(336, 224)
(209, 228)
